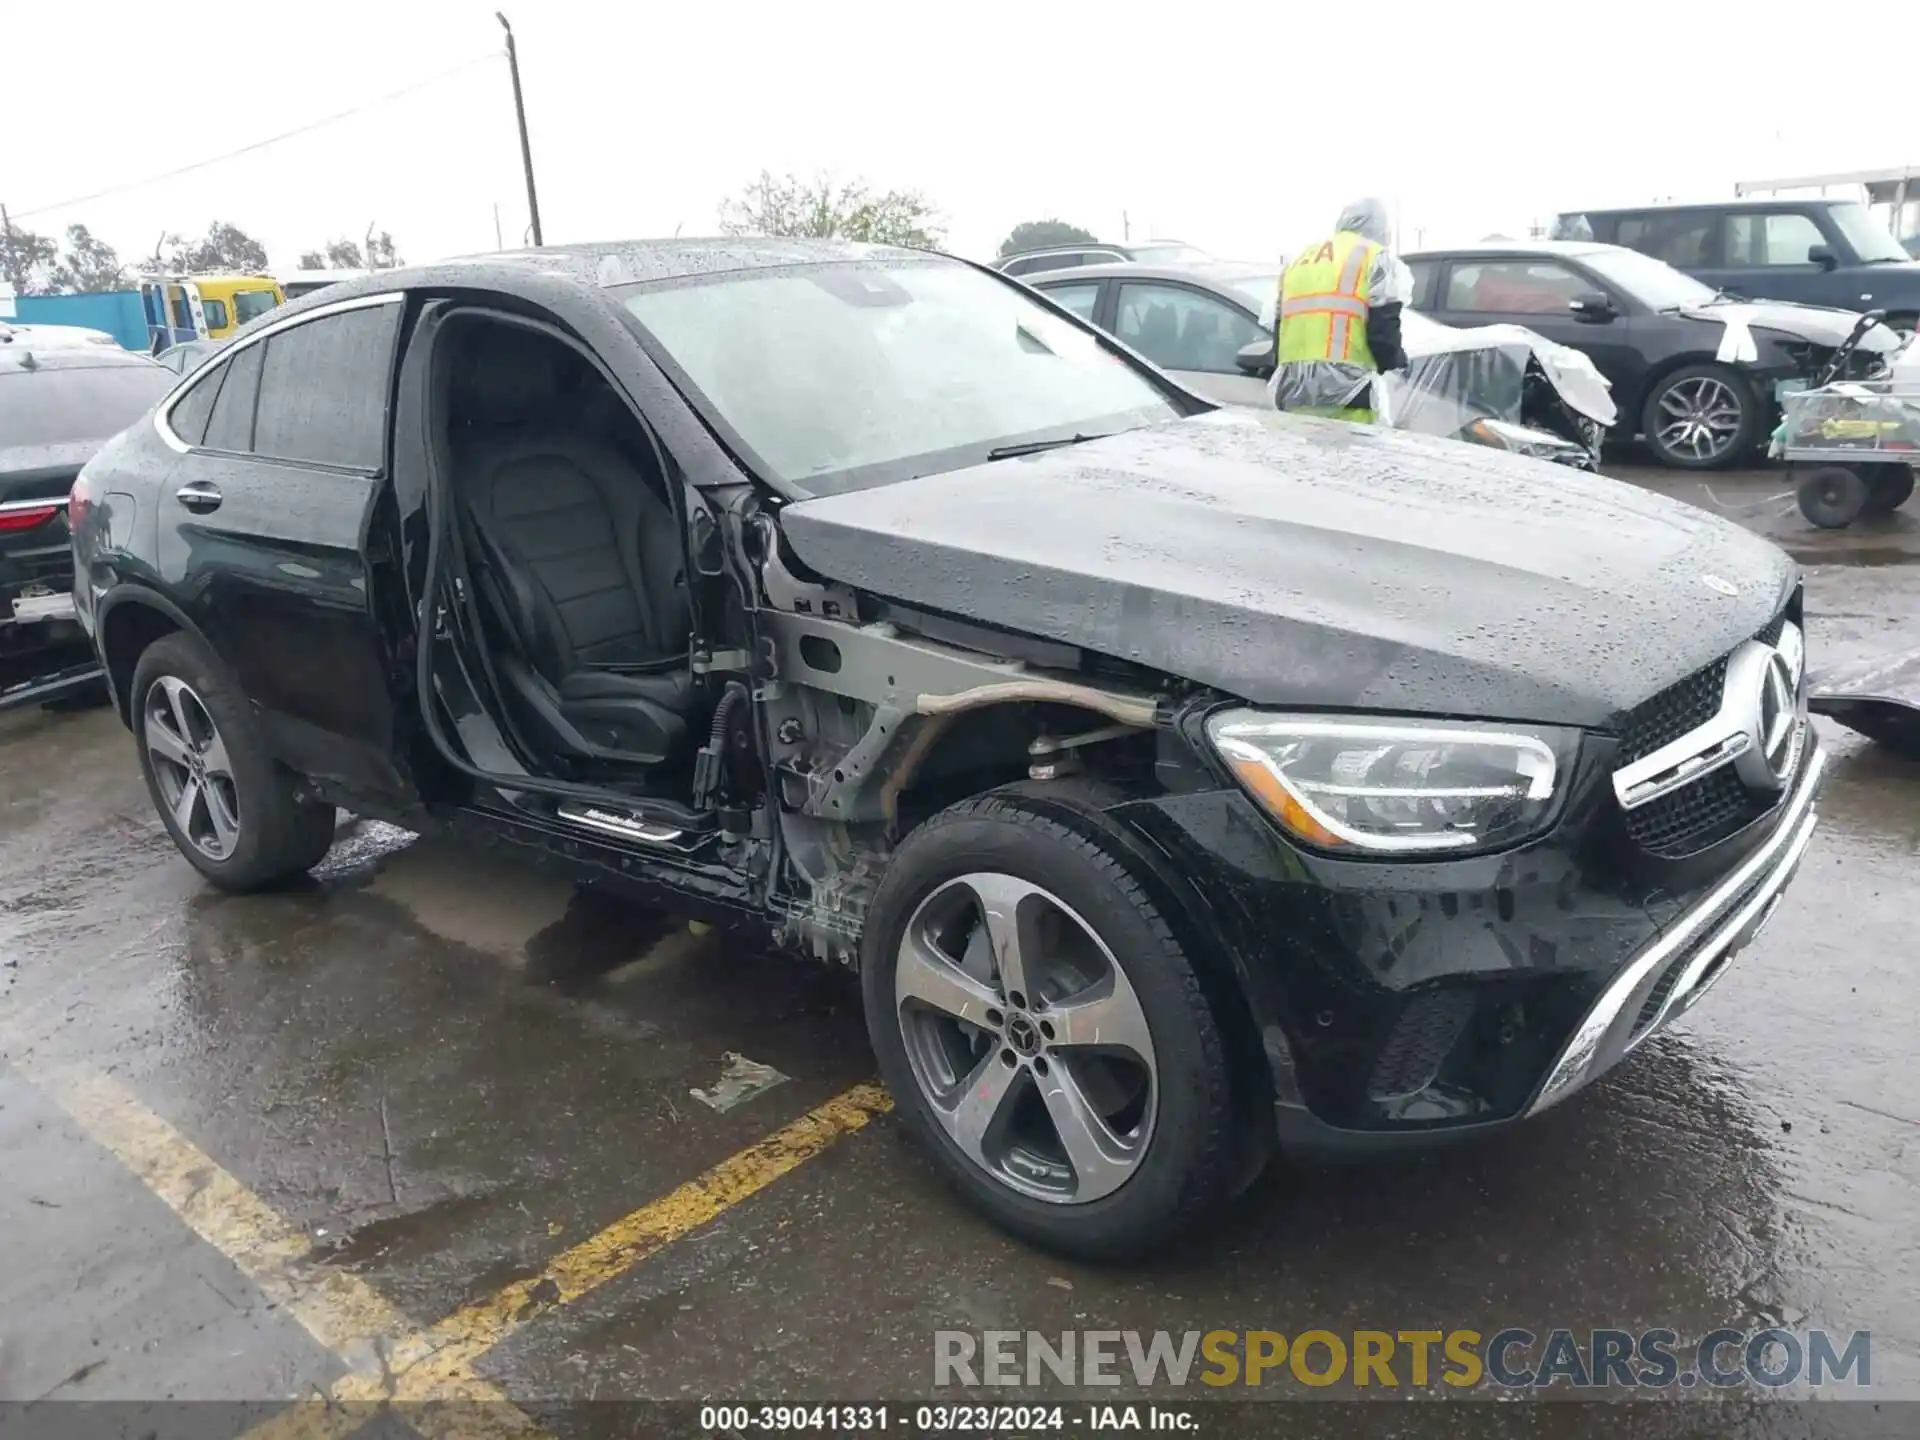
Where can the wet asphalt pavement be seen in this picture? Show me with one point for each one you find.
(442, 1070)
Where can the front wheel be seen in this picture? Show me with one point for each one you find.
(1701, 417)
(1044, 1033)
(231, 810)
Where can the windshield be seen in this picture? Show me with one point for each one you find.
(249, 303)
(842, 376)
(1868, 237)
(55, 406)
(1654, 283)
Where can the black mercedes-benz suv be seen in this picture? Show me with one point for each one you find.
(1177, 781)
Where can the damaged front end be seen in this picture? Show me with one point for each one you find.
(1502, 386)
(877, 715)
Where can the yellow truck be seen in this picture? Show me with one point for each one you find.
(204, 307)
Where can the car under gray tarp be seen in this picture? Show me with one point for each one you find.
(1294, 561)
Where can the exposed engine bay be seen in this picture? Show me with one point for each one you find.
(880, 715)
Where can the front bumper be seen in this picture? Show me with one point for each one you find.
(1667, 978)
(1401, 1005)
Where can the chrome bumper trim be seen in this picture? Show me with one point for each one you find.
(1707, 932)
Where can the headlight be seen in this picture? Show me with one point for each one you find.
(1397, 786)
(1521, 439)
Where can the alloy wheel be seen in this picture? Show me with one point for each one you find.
(191, 766)
(1026, 1038)
(1700, 418)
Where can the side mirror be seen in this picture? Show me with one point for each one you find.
(1256, 359)
(1591, 308)
(1823, 256)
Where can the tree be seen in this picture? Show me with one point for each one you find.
(28, 261)
(343, 254)
(1040, 234)
(90, 265)
(825, 209)
(225, 247)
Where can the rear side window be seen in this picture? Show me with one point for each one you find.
(231, 425)
(216, 313)
(323, 390)
(190, 413)
(1686, 240)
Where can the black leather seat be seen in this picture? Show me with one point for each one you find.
(578, 559)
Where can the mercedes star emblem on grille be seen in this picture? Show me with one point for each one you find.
(1760, 727)
(1777, 716)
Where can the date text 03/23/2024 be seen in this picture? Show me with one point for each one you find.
(944, 1419)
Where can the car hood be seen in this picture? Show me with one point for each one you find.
(1815, 323)
(1300, 562)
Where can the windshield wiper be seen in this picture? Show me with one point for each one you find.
(1035, 447)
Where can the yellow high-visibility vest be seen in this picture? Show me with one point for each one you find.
(1323, 302)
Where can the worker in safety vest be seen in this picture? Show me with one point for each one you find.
(1339, 318)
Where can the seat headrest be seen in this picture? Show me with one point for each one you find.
(509, 376)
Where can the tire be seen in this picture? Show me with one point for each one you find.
(270, 835)
(1714, 396)
(1181, 1159)
(1833, 496)
(1892, 486)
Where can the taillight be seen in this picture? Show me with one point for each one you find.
(26, 518)
(78, 499)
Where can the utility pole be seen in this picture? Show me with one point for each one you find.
(520, 114)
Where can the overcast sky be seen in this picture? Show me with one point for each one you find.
(1182, 121)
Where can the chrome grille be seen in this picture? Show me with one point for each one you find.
(1677, 709)
(1694, 816)
(1711, 808)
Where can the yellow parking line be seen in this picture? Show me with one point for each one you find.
(339, 1310)
(425, 1365)
(390, 1360)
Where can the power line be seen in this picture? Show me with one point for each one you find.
(262, 144)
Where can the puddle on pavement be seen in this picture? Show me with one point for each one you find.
(598, 933)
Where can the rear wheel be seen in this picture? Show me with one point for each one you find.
(1832, 497)
(1044, 1033)
(230, 809)
(1701, 417)
(1892, 486)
